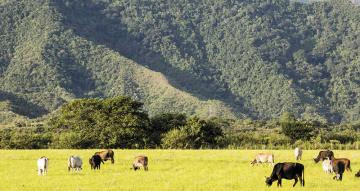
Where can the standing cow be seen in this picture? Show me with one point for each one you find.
(105, 155)
(323, 155)
(298, 153)
(43, 165)
(327, 166)
(344, 160)
(141, 161)
(95, 162)
(263, 158)
(75, 163)
(339, 168)
(287, 170)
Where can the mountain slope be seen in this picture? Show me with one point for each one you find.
(213, 58)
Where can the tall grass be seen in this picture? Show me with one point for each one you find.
(177, 170)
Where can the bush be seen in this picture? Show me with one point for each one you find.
(194, 135)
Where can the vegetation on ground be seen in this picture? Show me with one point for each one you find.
(170, 170)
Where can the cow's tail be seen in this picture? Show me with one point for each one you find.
(303, 177)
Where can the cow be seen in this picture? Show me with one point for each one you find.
(75, 163)
(339, 168)
(95, 162)
(263, 158)
(327, 166)
(43, 165)
(323, 155)
(287, 170)
(140, 161)
(357, 174)
(344, 160)
(105, 155)
(298, 153)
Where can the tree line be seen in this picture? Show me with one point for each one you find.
(121, 122)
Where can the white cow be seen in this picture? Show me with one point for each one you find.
(43, 165)
(75, 163)
(327, 166)
(298, 153)
(263, 158)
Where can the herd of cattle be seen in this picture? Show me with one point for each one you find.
(290, 170)
(285, 170)
(75, 162)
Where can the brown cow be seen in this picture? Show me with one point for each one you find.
(105, 155)
(323, 155)
(140, 161)
(344, 160)
(339, 168)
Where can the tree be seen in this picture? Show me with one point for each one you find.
(162, 123)
(195, 134)
(92, 123)
(297, 130)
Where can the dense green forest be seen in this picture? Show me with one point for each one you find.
(224, 58)
(121, 122)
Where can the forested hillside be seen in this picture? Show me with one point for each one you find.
(238, 58)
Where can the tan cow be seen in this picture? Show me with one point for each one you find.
(140, 161)
(105, 155)
(263, 158)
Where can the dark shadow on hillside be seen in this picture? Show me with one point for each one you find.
(88, 20)
(21, 106)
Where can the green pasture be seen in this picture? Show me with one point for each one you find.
(177, 170)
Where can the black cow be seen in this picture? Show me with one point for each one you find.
(339, 168)
(95, 162)
(323, 155)
(357, 174)
(287, 170)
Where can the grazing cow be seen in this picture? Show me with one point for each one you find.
(339, 168)
(105, 155)
(140, 161)
(327, 166)
(298, 153)
(357, 174)
(43, 165)
(263, 158)
(95, 162)
(287, 170)
(75, 163)
(344, 160)
(323, 155)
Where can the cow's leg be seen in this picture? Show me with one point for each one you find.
(296, 180)
(39, 172)
(145, 168)
(279, 182)
(112, 160)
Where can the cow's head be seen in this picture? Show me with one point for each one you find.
(253, 162)
(316, 160)
(357, 174)
(268, 181)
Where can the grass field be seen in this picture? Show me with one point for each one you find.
(192, 170)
